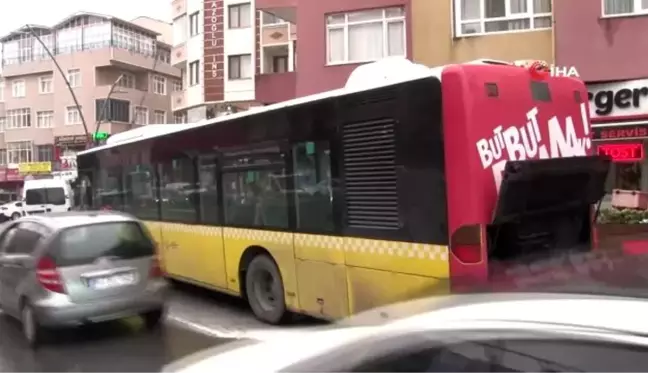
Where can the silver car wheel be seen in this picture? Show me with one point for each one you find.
(28, 324)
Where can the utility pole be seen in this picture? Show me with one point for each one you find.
(67, 82)
(104, 107)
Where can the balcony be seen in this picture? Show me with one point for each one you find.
(179, 100)
(277, 87)
(284, 9)
(178, 8)
(280, 33)
(139, 61)
(179, 55)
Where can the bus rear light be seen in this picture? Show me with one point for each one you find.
(467, 254)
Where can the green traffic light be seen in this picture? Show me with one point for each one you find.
(98, 136)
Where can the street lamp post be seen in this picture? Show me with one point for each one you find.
(67, 82)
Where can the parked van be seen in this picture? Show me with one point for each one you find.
(47, 195)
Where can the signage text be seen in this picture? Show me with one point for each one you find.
(622, 152)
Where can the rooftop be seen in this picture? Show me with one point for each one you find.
(60, 24)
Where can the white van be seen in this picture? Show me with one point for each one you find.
(47, 195)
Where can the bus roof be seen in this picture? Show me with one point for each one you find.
(382, 73)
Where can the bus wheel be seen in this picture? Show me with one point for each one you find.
(265, 291)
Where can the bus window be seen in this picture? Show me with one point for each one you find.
(256, 198)
(110, 189)
(178, 191)
(313, 187)
(207, 190)
(140, 192)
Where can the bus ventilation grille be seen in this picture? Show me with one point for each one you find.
(370, 174)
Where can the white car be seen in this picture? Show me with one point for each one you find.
(12, 210)
(477, 333)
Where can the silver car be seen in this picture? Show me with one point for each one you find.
(75, 268)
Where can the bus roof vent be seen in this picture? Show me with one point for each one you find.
(369, 152)
(390, 70)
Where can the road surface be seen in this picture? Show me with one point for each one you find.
(197, 320)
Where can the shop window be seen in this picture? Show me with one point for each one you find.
(208, 190)
(141, 198)
(628, 176)
(313, 187)
(178, 192)
(110, 189)
(256, 198)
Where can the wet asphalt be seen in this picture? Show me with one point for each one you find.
(109, 347)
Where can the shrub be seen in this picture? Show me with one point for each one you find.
(623, 216)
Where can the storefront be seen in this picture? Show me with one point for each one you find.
(619, 113)
(11, 183)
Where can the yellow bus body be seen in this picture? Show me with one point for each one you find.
(329, 277)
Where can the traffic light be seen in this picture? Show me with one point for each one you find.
(100, 136)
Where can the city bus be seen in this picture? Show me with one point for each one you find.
(407, 182)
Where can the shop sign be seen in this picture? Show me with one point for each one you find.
(71, 141)
(620, 132)
(13, 174)
(30, 168)
(628, 98)
(622, 152)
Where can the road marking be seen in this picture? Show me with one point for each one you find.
(216, 332)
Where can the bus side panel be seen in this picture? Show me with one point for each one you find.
(198, 250)
(322, 275)
(280, 247)
(365, 293)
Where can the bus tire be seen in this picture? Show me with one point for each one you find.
(265, 291)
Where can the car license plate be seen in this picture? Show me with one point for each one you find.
(114, 281)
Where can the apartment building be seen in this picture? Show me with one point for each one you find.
(224, 49)
(334, 36)
(119, 71)
(602, 41)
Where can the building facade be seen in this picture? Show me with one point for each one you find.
(120, 74)
(224, 49)
(334, 36)
(602, 39)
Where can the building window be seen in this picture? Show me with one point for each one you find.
(44, 153)
(74, 77)
(177, 85)
(3, 124)
(2, 88)
(18, 88)
(3, 156)
(44, 119)
(159, 116)
(194, 73)
(19, 152)
(179, 118)
(194, 23)
(18, 118)
(271, 19)
(159, 85)
(366, 35)
(180, 30)
(46, 84)
(126, 80)
(112, 111)
(620, 7)
(141, 115)
(240, 15)
(240, 67)
(72, 115)
(475, 17)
